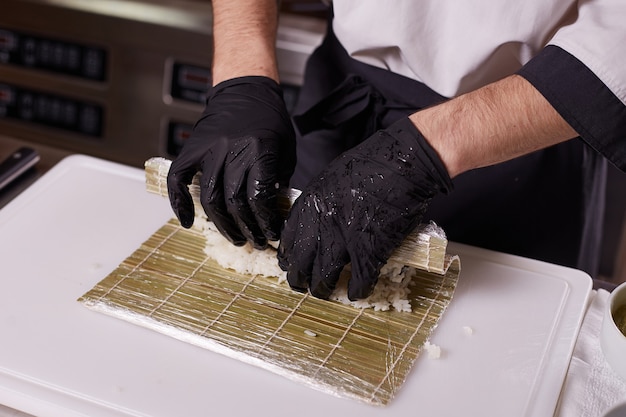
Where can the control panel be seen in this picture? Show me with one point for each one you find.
(189, 82)
(54, 55)
(123, 83)
(51, 110)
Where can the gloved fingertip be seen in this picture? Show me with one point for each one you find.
(235, 238)
(281, 256)
(272, 235)
(260, 244)
(322, 290)
(298, 280)
(256, 239)
(360, 291)
(233, 235)
(186, 222)
(227, 228)
(282, 263)
(185, 217)
(298, 289)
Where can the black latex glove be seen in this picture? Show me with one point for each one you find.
(359, 210)
(244, 144)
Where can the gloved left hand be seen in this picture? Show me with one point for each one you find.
(244, 145)
(359, 210)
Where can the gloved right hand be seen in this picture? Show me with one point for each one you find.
(359, 209)
(244, 145)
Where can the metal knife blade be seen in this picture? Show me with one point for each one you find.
(16, 164)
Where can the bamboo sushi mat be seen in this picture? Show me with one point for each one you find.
(170, 285)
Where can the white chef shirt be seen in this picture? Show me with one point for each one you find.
(455, 46)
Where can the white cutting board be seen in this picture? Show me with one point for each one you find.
(76, 224)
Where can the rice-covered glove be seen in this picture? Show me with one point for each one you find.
(359, 209)
(244, 145)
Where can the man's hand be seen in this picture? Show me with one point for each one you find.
(244, 145)
(359, 210)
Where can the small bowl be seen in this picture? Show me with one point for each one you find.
(612, 340)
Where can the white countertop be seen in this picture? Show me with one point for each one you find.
(87, 215)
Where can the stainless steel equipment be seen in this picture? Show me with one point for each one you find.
(121, 80)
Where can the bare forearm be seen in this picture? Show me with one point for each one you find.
(494, 124)
(244, 35)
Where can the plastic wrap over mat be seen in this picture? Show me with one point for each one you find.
(171, 285)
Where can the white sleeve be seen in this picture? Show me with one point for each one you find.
(597, 37)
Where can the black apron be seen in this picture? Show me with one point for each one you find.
(547, 205)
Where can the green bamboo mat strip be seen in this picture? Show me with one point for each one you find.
(169, 285)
